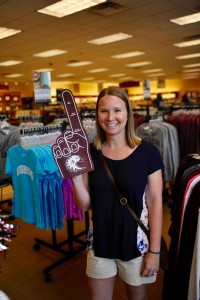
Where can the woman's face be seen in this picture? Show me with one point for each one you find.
(112, 115)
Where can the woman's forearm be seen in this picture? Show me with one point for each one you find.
(81, 191)
(154, 203)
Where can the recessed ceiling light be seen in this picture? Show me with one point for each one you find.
(79, 63)
(187, 19)
(139, 64)
(117, 75)
(67, 7)
(157, 74)
(191, 70)
(10, 63)
(152, 70)
(188, 56)
(87, 78)
(110, 39)
(190, 76)
(65, 75)
(192, 65)
(50, 53)
(128, 54)
(188, 44)
(14, 75)
(43, 70)
(97, 70)
(6, 32)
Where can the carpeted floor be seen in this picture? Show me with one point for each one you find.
(22, 276)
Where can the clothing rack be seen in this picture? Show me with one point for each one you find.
(186, 107)
(40, 129)
(139, 109)
(74, 242)
(58, 247)
(6, 181)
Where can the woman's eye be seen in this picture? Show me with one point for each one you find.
(117, 110)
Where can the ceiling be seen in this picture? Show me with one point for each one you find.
(146, 20)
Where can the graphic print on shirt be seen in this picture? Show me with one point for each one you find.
(71, 151)
(142, 240)
(24, 170)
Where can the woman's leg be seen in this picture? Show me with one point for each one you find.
(136, 292)
(101, 289)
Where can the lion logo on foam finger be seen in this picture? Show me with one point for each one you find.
(72, 163)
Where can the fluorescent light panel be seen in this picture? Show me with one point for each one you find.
(110, 39)
(157, 74)
(189, 19)
(43, 70)
(65, 75)
(188, 44)
(13, 75)
(98, 70)
(191, 70)
(188, 56)
(6, 32)
(79, 64)
(117, 75)
(192, 65)
(139, 64)
(64, 8)
(10, 63)
(87, 78)
(152, 70)
(191, 74)
(128, 54)
(190, 77)
(50, 53)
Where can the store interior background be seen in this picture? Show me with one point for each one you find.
(151, 32)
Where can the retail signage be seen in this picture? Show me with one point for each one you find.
(146, 89)
(42, 86)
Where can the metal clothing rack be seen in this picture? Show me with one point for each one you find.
(185, 107)
(58, 247)
(74, 242)
(139, 109)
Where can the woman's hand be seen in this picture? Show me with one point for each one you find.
(150, 264)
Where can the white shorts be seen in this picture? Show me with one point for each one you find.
(128, 271)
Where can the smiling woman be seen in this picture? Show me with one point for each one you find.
(115, 242)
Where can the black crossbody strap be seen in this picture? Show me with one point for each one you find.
(123, 200)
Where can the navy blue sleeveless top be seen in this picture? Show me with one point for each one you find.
(114, 230)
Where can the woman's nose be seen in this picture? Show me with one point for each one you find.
(110, 115)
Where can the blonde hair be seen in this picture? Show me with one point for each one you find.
(131, 138)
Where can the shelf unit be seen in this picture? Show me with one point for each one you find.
(9, 101)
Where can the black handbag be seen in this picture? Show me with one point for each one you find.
(164, 255)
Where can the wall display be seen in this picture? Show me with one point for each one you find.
(7, 98)
(15, 98)
(42, 86)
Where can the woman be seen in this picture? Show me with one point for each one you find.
(119, 245)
